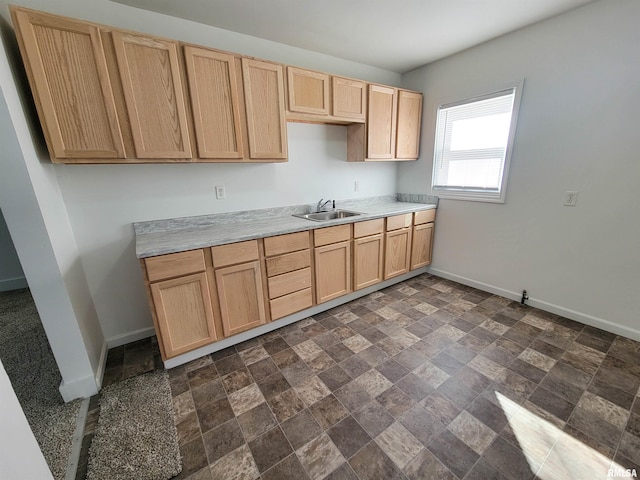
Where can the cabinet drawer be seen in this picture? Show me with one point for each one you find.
(289, 283)
(234, 253)
(286, 243)
(292, 303)
(174, 265)
(370, 227)
(325, 236)
(399, 221)
(288, 263)
(425, 216)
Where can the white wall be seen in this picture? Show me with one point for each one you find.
(11, 274)
(103, 201)
(577, 130)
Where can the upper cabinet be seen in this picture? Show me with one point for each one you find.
(408, 125)
(67, 69)
(308, 91)
(215, 88)
(264, 98)
(392, 131)
(150, 74)
(106, 95)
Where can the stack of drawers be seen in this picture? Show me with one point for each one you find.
(288, 261)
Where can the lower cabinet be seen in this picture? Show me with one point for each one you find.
(368, 253)
(239, 284)
(422, 242)
(181, 301)
(332, 256)
(398, 245)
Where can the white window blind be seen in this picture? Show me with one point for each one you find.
(473, 144)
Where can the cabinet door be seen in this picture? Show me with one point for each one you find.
(398, 253)
(333, 271)
(213, 85)
(264, 103)
(150, 73)
(349, 98)
(408, 128)
(241, 297)
(421, 245)
(381, 125)
(308, 91)
(67, 69)
(367, 261)
(184, 313)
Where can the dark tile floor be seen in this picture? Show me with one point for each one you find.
(427, 379)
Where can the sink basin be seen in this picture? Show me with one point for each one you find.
(331, 215)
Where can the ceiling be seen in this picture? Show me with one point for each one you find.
(396, 35)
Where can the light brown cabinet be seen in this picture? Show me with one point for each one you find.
(239, 286)
(264, 101)
(381, 122)
(288, 261)
(181, 301)
(397, 245)
(408, 125)
(308, 91)
(154, 94)
(349, 99)
(422, 241)
(332, 255)
(215, 88)
(368, 253)
(67, 70)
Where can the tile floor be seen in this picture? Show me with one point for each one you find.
(428, 379)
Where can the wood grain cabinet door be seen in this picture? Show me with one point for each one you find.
(349, 98)
(264, 104)
(381, 125)
(184, 313)
(333, 271)
(150, 73)
(308, 91)
(368, 254)
(67, 69)
(421, 245)
(241, 297)
(398, 252)
(215, 103)
(408, 126)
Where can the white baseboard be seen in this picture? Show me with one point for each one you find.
(581, 317)
(130, 337)
(14, 283)
(79, 388)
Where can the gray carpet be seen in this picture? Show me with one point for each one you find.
(136, 437)
(28, 360)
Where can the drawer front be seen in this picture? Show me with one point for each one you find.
(370, 227)
(399, 221)
(325, 236)
(174, 265)
(233, 253)
(288, 262)
(292, 303)
(286, 243)
(425, 216)
(289, 283)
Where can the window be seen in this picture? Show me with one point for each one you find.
(474, 139)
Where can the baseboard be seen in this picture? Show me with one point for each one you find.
(581, 317)
(79, 388)
(130, 337)
(15, 283)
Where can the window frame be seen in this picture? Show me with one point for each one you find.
(471, 194)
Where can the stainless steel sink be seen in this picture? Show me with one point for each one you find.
(330, 215)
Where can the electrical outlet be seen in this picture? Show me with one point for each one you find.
(356, 186)
(220, 193)
(570, 198)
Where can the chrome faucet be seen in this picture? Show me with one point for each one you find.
(321, 205)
